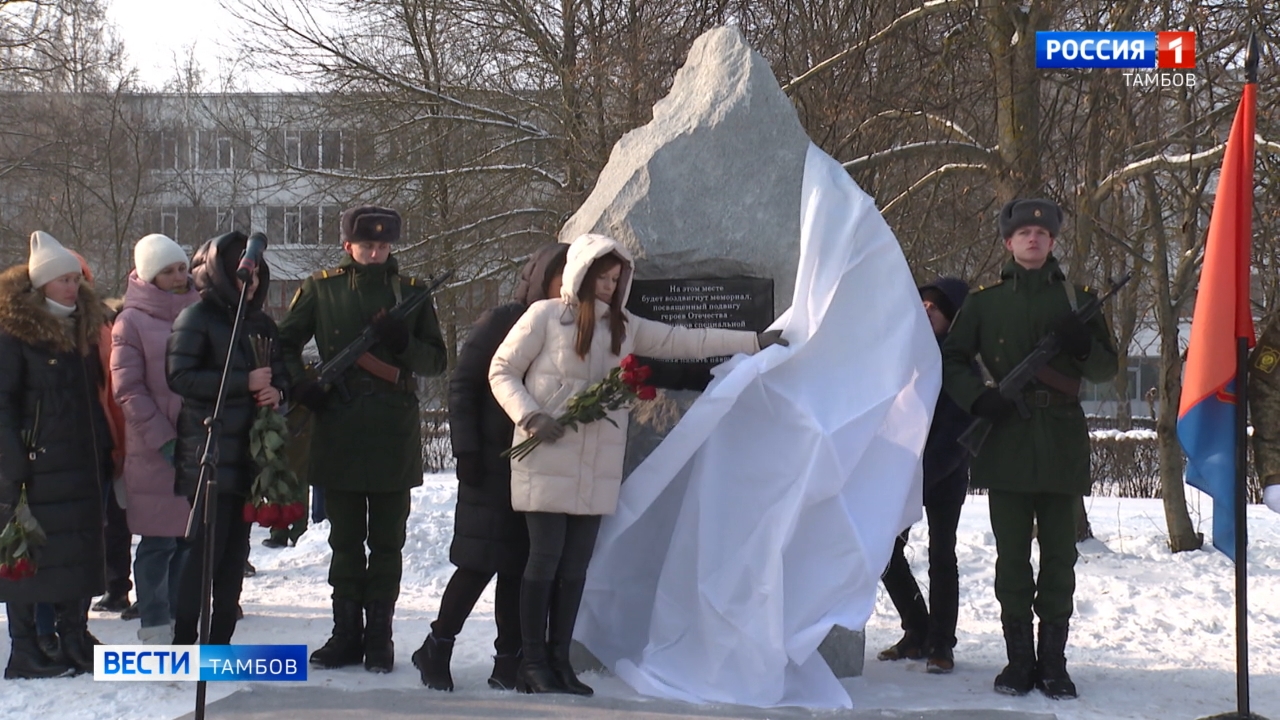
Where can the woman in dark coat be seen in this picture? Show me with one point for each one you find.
(929, 631)
(55, 443)
(194, 359)
(488, 537)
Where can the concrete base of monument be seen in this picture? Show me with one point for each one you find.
(267, 701)
(843, 649)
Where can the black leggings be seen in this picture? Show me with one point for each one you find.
(560, 545)
(230, 551)
(460, 597)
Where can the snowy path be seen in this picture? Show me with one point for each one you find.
(1153, 635)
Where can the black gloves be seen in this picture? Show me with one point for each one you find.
(992, 406)
(310, 394)
(1075, 338)
(392, 331)
(544, 427)
(771, 337)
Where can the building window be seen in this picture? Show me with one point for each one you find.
(169, 222)
(292, 226)
(293, 148)
(331, 149)
(162, 150)
(226, 155)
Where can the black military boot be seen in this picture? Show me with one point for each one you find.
(1052, 677)
(346, 645)
(1019, 676)
(503, 676)
(534, 674)
(72, 623)
(26, 659)
(432, 661)
(910, 647)
(564, 613)
(379, 650)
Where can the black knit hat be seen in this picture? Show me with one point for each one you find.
(1020, 213)
(370, 224)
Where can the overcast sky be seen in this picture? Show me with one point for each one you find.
(157, 33)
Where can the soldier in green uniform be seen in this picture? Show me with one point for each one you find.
(1036, 468)
(366, 448)
(1264, 410)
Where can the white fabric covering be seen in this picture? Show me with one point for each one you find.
(769, 512)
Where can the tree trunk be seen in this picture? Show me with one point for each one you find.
(1011, 42)
(1182, 534)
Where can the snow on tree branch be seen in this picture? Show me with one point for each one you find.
(935, 120)
(932, 7)
(968, 151)
(931, 176)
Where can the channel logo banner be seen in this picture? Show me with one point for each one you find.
(1058, 49)
(211, 663)
(1169, 50)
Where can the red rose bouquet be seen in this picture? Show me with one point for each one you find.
(17, 539)
(622, 386)
(273, 499)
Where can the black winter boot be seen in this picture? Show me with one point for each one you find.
(503, 676)
(1019, 676)
(379, 650)
(432, 661)
(72, 623)
(564, 614)
(910, 647)
(1053, 679)
(534, 674)
(346, 645)
(26, 659)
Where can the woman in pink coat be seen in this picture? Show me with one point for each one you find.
(159, 288)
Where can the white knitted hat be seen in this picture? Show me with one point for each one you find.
(154, 253)
(49, 260)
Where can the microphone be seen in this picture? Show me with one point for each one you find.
(252, 256)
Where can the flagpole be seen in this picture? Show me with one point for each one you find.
(1243, 711)
(1242, 527)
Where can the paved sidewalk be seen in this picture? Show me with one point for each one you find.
(265, 702)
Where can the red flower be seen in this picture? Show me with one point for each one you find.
(6, 573)
(268, 515)
(646, 392)
(250, 513)
(630, 363)
(299, 511)
(629, 378)
(643, 372)
(23, 569)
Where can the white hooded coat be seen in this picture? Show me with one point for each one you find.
(536, 370)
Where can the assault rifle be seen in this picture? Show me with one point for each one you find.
(1013, 385)
(330, 374)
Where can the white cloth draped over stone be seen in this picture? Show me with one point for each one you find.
(769, 512)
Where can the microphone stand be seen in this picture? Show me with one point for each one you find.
(204, 507)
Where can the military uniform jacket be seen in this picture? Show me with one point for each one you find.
(371, 442)
(1264, 404)
(1049, 452)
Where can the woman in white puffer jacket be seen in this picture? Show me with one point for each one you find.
(558, 348)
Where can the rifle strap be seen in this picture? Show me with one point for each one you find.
(395, 288)
(382, 370)
(1071, 295)
(1060, 382)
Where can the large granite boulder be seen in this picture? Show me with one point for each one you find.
(709, 188)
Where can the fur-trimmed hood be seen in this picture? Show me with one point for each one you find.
(584, 251)
(23, 315)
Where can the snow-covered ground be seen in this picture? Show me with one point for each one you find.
(1153, 635)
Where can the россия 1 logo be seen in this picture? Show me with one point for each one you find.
(1130, 50)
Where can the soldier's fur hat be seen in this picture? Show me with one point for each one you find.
(369, 223)
(1023, 212)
